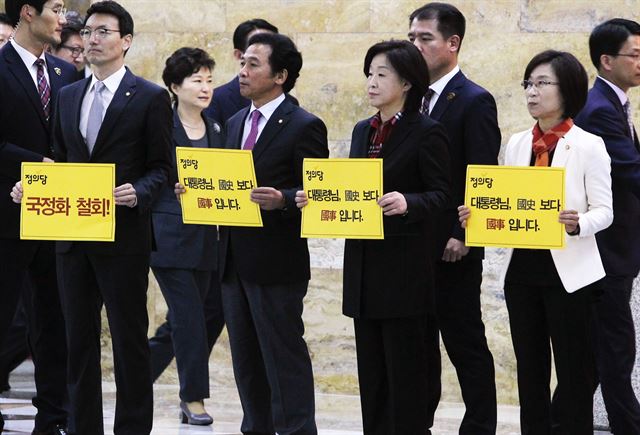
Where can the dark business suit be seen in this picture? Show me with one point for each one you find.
(226, 102)
(265, 273)
(135, 135)
(619, 245)
(25, 137)
(185, 266)
(468, 113)
(388, 283)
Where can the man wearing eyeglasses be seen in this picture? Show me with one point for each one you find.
(29, 83)
(615, 52)
(71, 47)
(112, 117)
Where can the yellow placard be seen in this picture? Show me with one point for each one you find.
(68, 201)
(515, 206)
(219, 184)
(343, 195)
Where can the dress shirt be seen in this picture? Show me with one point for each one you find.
(29, 61)
(266, 110)
(619, 92)
(438, 86)
(111, 84)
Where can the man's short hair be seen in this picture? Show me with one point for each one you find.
(284, 56)
(13, 7)
(72, 27)
(609, 37)
(408, 63)
(4, 19)
(246, 27)
(450, 19)
(125, 21)
(182, 63)
(573, 82)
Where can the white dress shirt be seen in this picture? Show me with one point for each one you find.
(266, 110)
(111, 84)
(29, 60)
(619, 92)
(438, 86)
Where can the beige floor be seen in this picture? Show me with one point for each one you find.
(336, 414)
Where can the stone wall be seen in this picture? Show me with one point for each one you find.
(333, 35)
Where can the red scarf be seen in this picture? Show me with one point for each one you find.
(544, 143)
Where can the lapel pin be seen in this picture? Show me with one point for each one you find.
(58, 71)
(279, 121)
(451, 96)
(566, 147)
(128, 93)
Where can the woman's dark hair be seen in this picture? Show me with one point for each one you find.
(408, 63)
(572, 78)
(182, 63)
(284, 56)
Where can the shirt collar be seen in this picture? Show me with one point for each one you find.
(439, 85)
(619, 92)
(112, 82)
(27, 57)
(266, 110)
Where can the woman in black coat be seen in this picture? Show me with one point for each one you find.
(184, 262)
(388, 283)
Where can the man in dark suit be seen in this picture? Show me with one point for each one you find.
(112, 117)
(29, 83)
(265, 271)
(615, 52)
(468, 113)
(227, 99)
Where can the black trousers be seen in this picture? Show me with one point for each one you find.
(616, 354)
(539, 315)
(271, 361)
(194, 322)
(30, 267)
(459, 320)
(392, 374)
(121, 283)
(15, 348)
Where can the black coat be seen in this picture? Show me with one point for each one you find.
(393, 277)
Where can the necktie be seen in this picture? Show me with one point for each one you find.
(95, 116)
(627, 112)
(43, 88)
(253, 132)
(426, 100)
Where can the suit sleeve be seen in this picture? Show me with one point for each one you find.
(605, 122)
(312, 144)
(158, 149)
(481, 141)
(59, 147)
(433, 161)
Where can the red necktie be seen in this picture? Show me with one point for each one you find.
(43, 88)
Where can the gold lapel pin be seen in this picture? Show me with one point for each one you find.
(451, 96)
(566, 147)
(58, 71)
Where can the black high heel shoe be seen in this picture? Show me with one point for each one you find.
(188, 417)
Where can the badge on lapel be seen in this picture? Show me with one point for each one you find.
(58, 71)
(128, 94)
(451, 96)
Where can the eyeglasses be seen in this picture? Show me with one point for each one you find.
(635, 57)
(59, 11)
(75, 51)
(539, 84)
(100, 33)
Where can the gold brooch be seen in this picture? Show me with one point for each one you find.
(58, 71)
(451, 96)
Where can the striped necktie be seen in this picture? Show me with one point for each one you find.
(44, 91)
